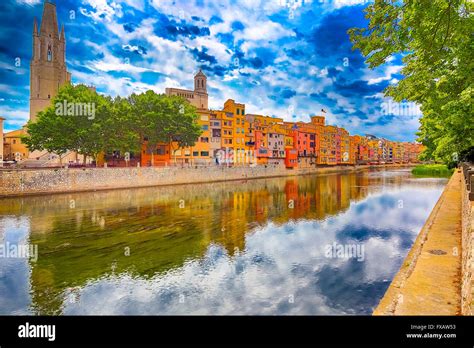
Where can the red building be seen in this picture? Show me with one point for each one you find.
(291, 158)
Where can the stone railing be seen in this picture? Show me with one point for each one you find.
(468, 174)
(467, 286)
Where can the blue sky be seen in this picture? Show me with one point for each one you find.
(283, 58)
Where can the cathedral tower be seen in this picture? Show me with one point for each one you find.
(200, 83)
(48, 63)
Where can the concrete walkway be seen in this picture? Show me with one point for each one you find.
(428, 282)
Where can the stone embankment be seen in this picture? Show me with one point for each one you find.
(436, 276)
(44, 181)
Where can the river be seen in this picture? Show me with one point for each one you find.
(318, 245)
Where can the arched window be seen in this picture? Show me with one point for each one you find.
(50, 54)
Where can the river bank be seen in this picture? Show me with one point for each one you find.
(67, 180)
(436, 276)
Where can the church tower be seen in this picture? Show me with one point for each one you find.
(48, 63)
(200, 83)
(200, 90)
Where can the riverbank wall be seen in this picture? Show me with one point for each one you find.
(46, 181)
(436, 276)
(467, 280)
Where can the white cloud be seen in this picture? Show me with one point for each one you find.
(28, 2)
(373, 76)
(102, 10)
(14, 117)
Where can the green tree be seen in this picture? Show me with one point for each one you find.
(85, 122)
(435, 39)
(159, 118)
(51, 132)
(76, 121)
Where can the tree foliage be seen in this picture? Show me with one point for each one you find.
(120, 124)
(161, 119)
(435, 39)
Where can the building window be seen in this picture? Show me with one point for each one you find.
(205, 127)
(161, 150)
(238, 111)
(50, 54)
(204, 153)
(204, 140)
(195, 153)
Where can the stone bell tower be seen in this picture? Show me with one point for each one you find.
(48, 63)
(200, 90)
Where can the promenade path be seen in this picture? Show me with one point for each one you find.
(429, 281)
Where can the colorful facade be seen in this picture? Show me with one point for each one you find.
(232, 137)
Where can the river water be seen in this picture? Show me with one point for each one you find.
(316, 245)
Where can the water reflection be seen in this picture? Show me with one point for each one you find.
(246, 247)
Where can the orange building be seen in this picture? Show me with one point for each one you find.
(236, 111)
(343, 151)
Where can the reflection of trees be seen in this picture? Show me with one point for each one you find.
(164, 227)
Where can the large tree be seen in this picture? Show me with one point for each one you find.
(51, 133)
(435, 39)
(159, 118)
(76, 121)
(83, 121)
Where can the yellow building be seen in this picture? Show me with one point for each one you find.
(328, 146)
(13, 148)
(200, 153)
(344, 147)
(226, 120)
(235, 113)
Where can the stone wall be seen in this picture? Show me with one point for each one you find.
(39, 181)
(467, 287)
